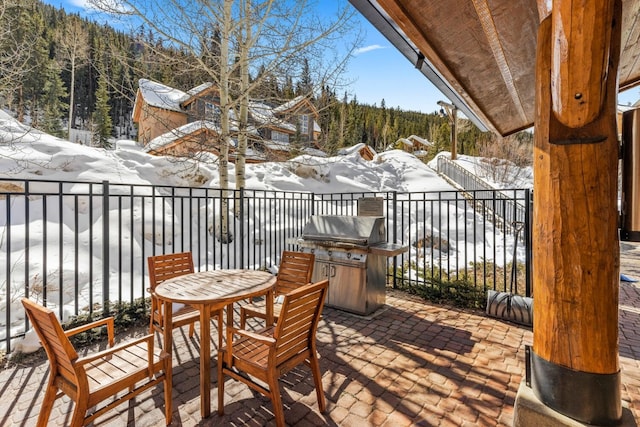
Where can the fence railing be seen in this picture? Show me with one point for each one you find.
(78, 247)
(508, 212)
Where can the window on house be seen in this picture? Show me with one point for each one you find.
(212, 112)
(279, 136)
(304, 125)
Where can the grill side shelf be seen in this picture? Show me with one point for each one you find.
(388, 249)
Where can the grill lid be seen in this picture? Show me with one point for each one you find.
(356, 230)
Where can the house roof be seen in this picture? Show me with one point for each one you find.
(481, 55)
(196, 92)
(168, 138)
(419, 140)
(296, 103)
(264, 115)
(199, 89)
(161, 96)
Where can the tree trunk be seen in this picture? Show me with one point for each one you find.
(72, 88)
(225, 136)
(244, 100)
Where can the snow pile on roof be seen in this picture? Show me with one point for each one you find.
(179, 132)
(264, 114)
(162, 96)
(420, 140)
(289, 104)
(200, 88)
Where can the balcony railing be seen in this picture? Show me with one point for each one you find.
(78, 246)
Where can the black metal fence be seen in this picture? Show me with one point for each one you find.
(511, 208)
(78, 247)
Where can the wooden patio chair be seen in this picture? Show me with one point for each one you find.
(131, 367)
(165, 267)
(296, 268)
(267, 354)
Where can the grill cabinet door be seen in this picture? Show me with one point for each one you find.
(346, 285)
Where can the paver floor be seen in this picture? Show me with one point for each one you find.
(412, 363)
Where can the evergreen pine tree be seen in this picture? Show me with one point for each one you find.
(102, 124)
(53, 106)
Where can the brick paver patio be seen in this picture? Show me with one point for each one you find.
(410, 363)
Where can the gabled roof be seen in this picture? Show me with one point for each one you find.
(295, 104)
(481, 54)
(264, 115)
(161, 96)
(196, 92)
(199, 89)
(420, 140)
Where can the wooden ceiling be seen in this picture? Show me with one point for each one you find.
(481, 53)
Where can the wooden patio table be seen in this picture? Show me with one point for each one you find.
(208, 291)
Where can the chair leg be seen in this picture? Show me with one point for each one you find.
(79, 413)
(168, 384)
(276, 401)
(192, 328)
(221, 383)
(317, 379)
(47, 403)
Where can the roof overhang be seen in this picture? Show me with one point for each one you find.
(481, 54)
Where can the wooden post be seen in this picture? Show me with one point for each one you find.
(454, 133)
(452, 115)
(576, 259)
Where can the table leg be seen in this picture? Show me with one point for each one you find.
(229, 319)
(167, 335)
(205, 360)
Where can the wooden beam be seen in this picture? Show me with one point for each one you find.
(580, 55)
(575, 229)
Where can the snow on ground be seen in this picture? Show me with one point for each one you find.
(29, 154)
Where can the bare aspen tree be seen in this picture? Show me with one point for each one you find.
(277, 37)
(225, 107)
(244, 44)
(73, 46)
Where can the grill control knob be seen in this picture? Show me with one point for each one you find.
(348, 255)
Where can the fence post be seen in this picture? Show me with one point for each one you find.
(395, 236)
(528, 209)
(241, 221)
(8, 269)
(105, 247)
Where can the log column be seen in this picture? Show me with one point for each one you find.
(576, 259)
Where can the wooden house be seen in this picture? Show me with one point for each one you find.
(174, 122)
(415, 145)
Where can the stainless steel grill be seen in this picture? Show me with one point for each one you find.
(350, 251)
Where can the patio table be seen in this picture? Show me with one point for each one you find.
(210, 291)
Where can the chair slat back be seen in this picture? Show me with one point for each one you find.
(296, 268)
(168, 266)
(296, 328)
(59, 349)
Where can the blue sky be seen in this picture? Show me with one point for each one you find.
(378, 71)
